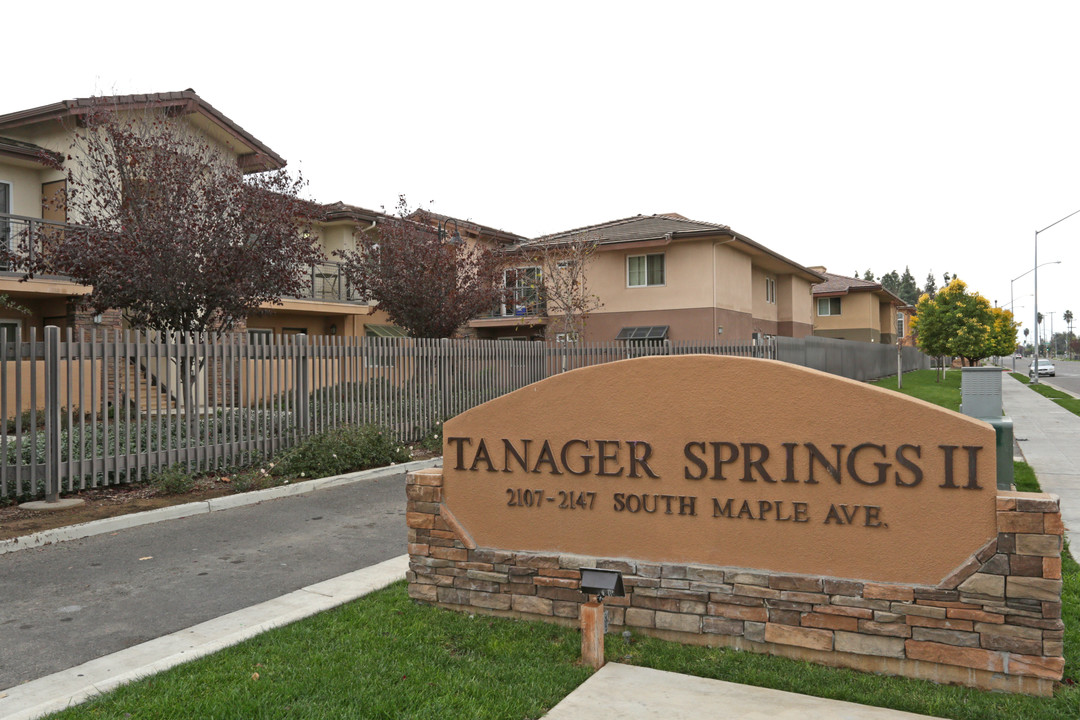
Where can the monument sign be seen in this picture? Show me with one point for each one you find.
(751, 503)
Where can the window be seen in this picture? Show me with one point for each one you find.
(828, 306)
(260, 336)
(899, 324)
(770, 290)
(8, 329)
(294, 331)
(645, 270)
(566, 337)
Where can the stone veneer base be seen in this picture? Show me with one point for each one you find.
(994, 623)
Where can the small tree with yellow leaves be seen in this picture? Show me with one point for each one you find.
(961, 324)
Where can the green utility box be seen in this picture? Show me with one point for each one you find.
(1003, 428)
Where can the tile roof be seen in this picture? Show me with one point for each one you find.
(842, 284)
(343, 211)
(476, 227)
(638, 227)
(187, 101)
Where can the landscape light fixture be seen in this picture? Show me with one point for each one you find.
(601, 583)
(454, 239)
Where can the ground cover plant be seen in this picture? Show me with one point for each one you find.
(334, 452)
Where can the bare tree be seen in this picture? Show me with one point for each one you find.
(563, 282)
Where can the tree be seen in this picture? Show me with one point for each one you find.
(563, 283)
(1003, 328)
(930, 288)
(908, 290)
(958, 323)
(868, 275)
(428, 286)
(1068, 318)
(891, 282)
(170, 231)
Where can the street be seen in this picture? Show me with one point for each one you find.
(65, 604)
(1067, 378)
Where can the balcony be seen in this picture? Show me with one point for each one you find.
(327, 282)
(23, 240)
(520, 302)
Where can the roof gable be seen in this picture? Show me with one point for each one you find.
(255, 156)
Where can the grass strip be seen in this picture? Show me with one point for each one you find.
(924, 385)
(1063, 399)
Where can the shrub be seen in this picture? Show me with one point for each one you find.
(342, 450)
(433, 439)
(173, 480)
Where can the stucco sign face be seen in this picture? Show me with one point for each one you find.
(725, 461)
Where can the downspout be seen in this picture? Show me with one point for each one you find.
(714, 246)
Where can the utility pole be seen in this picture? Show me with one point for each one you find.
(1052, 348)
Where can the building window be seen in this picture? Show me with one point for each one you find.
(260, 336)
(770, 290)
(900, 324)
(645, 270)
(9, 329)
(828, 306)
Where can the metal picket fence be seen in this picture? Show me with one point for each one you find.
(110, 407)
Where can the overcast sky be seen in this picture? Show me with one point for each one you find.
(938, 135)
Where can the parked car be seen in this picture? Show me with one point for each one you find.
(1020, 355)
(1045, 368)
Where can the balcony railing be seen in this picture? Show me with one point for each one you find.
(327, 282)
(520, 302)
(23, 239)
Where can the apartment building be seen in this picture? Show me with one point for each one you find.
(666, 277)
(33, 141)
(848, 308)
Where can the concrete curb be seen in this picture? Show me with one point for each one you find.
(123, 522)
(72, 686)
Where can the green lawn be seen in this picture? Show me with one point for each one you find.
(924, 384)
(384, 656)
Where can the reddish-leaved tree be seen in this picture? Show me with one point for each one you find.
(426, 284)
(168, 229)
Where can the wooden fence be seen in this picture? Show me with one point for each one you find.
(114, 406)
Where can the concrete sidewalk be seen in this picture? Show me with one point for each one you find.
(1049, 438)
(637, 693)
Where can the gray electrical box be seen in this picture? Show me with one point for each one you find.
(980, 397)
(980, 392)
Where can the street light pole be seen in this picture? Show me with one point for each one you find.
(1035, 379)
(1012, 300)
